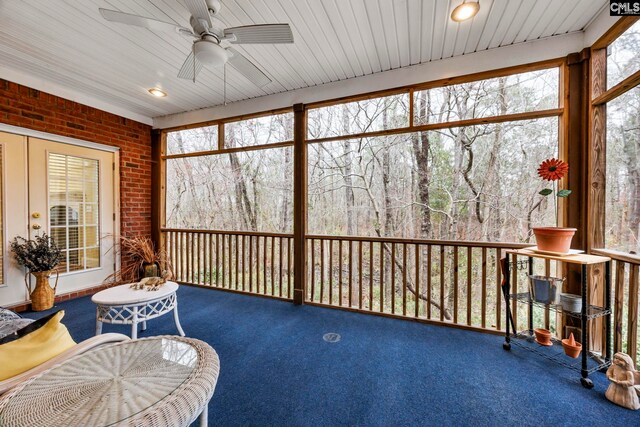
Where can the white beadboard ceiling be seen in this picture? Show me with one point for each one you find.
(67, 44)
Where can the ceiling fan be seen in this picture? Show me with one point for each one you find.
(212, 45)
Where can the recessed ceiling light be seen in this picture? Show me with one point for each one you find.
(465, 11)
(157, 92)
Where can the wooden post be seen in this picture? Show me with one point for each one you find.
(596, 189)
(157, 187)
(299, 203)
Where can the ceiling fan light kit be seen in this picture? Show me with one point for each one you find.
(209, 52)
(465, 11)
(212, 47)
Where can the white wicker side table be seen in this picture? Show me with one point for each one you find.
(122, 305)
(158, 381)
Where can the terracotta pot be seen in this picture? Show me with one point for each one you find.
(571, 347)
(554, 239)
(543, 336)
(42, 295)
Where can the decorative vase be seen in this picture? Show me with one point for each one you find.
(554, 239)
(42, 295)
(150, 269)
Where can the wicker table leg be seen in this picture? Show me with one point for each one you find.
(98, 322)
(204, 416)
(134, 324)
(177, 319)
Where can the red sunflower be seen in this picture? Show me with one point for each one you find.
(553, 169)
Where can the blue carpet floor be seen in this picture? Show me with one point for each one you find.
(276, 370)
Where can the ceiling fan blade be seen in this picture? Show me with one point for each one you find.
(248, 69)
(260, 34)
(199, 10)
(141, 21)
(189, 70)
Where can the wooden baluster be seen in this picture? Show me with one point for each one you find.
(321, 270)
(350, 273)
(189, 257)
(330, 272)
(455, 284)
(498, 291)
(382, 287)
(619, 307)
(428, 281)
(242, 262)
(180, 255)
(257, 264)
(469, 283)
(514, 290)
(280, 249)
(289, 262)
(250, 262)
(371, 276)
(264, 267)
(236, 285)
(404, 279)
(272, 263)
(217, 259)
(198, 258)
(211, 267)
(312, 242)
(442, 280)
(194, 237)
(360, 274)
(483, 318)
(393, 278)
(632, 331)
(417, 299)
(340, 272)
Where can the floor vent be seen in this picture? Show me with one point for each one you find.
(331, 337)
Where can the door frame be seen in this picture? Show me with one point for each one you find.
(26, 133)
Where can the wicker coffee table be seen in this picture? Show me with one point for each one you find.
(122, 305)
(157, 381)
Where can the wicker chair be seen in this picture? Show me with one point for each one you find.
(82, 347)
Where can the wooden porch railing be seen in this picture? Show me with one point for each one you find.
(455, 282)
(250, 262)
(625, 280)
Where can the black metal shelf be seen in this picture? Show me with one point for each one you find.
(587, 362)
(526, 339)
(593, 311)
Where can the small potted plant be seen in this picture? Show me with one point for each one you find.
(554, 239)
(140, 259)
(40, 256)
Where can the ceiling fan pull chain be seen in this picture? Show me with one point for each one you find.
(193, 51)
(224, 84)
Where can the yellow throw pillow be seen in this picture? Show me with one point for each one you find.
(34, 348)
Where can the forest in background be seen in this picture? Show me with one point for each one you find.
(467, 183)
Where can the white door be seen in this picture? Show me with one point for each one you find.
(68, 192)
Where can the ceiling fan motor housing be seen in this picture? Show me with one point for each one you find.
(209, 52)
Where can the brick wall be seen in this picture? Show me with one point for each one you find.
(30, 108)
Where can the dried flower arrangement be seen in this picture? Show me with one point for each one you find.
(37, 255)
(137, 252)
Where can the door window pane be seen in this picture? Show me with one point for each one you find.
(73, 210)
